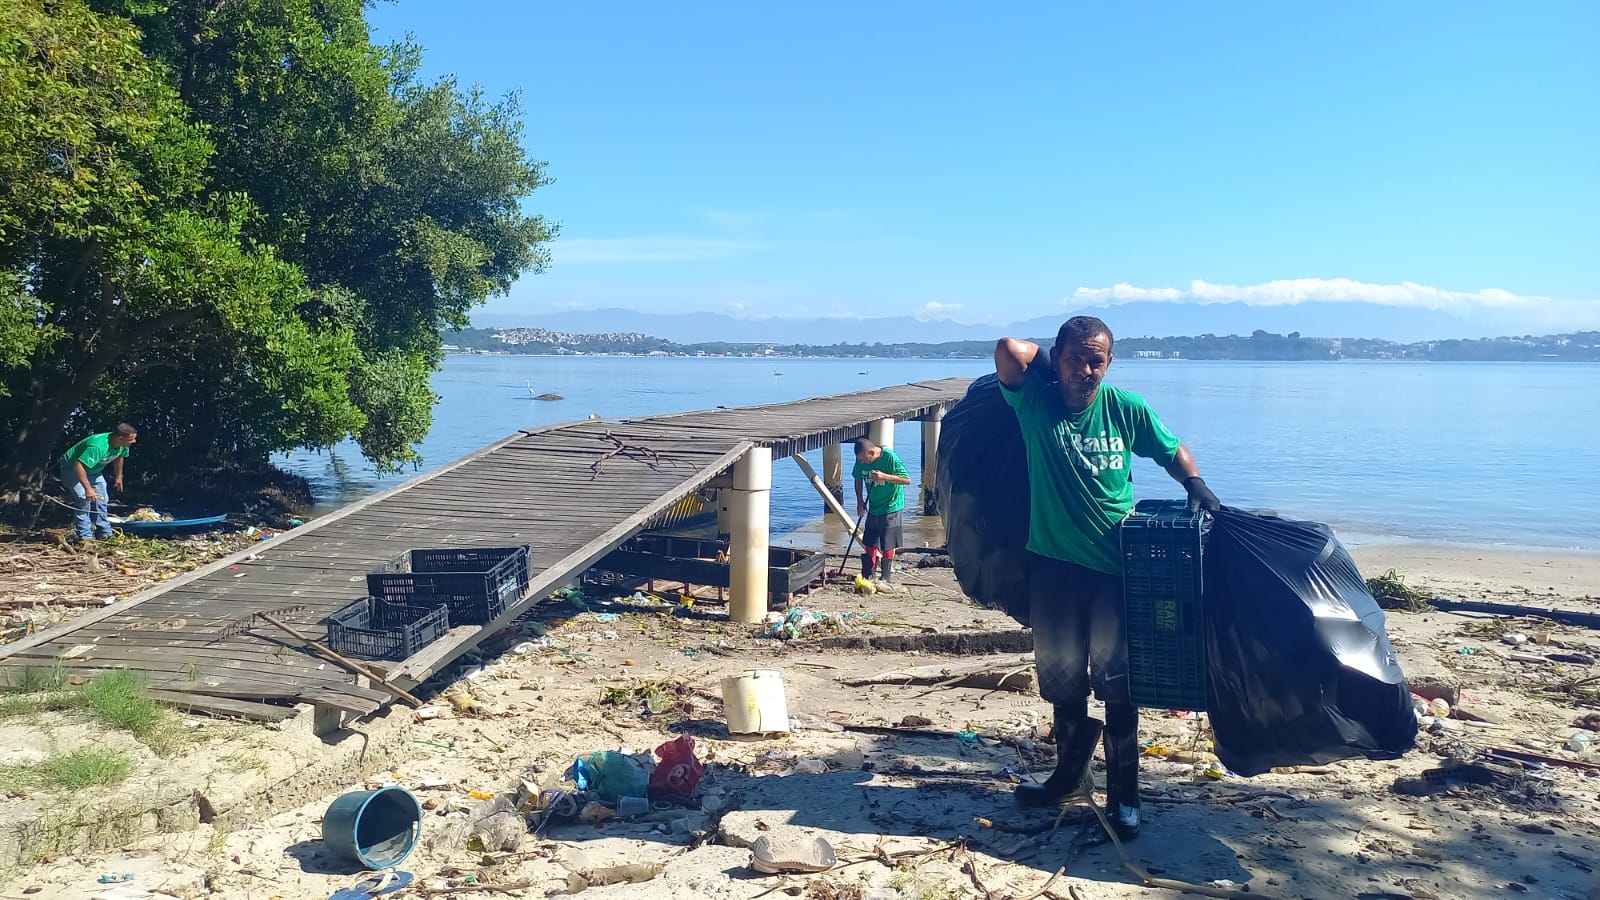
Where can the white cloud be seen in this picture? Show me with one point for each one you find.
(936, 310)
(606, 251)
(1288, 292)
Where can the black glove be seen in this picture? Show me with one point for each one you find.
(1200, 496)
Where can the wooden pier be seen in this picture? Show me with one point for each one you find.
(571, 492)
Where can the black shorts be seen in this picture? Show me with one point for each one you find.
(1078, 638)
(885, 532)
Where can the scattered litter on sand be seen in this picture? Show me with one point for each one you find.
(902, 764)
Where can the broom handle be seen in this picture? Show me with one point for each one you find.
(834, 505)
(350, 664)
(846, 560)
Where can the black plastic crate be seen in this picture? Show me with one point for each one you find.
(468, 559)
(1163, 543)
(476, 584)
(375, 628)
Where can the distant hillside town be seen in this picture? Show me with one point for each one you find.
(1260, 345)
(544, 337)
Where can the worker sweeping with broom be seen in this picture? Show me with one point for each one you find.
(884, 478)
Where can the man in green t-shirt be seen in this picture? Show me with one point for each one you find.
(1081, 437)
(884, 476)
(82, 471)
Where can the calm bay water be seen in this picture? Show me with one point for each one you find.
(1476, 453)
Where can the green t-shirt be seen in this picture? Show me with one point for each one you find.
(1079, 468)
(882, 497)
(95, 452)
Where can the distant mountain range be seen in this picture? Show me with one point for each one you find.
(1329, 320)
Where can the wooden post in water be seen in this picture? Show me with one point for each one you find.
(750, 513)
(930, 461)
(881, 433)
(833, 473)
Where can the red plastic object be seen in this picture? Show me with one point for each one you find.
(679, 771)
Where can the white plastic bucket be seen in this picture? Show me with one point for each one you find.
(754, 702)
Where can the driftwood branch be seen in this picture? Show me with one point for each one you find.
(636, 452)
(1008, 673)
(1565, 617)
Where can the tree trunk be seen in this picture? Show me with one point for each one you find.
(29, 466)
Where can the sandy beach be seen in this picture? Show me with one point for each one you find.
(1466, 572)
(1333, 832)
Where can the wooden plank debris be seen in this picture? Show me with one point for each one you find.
(223, 707)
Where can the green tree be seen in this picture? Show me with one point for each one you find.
(242, 224)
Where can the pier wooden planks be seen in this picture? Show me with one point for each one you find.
(572, 492)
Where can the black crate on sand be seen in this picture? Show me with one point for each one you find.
(375, 628)
(1163, 593)
(475, 584)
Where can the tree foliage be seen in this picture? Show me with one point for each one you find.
(241, 224)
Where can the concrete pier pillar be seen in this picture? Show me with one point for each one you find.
(833, 473)
(325, 720)
(930, 462)
(750, 509)
(881, 433)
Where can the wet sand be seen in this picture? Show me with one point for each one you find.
(1471, 573)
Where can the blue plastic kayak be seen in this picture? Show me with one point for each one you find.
(174, 525)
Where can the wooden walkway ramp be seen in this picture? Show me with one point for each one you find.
(571, 492)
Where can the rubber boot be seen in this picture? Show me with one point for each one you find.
(1075, 740)
(866, 566)
(1122, 769)
(885, 569)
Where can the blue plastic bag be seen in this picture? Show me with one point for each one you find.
(611, 775)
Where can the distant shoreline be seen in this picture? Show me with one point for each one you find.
(1259, 346)
(1120, 358)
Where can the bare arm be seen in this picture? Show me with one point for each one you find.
(116, 474)
(1186, 472)
(1011, 358)
(1183, 465)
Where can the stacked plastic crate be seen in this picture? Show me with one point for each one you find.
(421, 594)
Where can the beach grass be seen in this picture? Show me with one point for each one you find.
(118, 698)
(92, 767)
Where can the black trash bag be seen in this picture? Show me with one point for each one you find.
(982, 488)
(1301, 669)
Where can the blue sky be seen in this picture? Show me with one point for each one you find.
(895, 158)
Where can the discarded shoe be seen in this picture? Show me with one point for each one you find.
(374, 885)
(796, 854)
